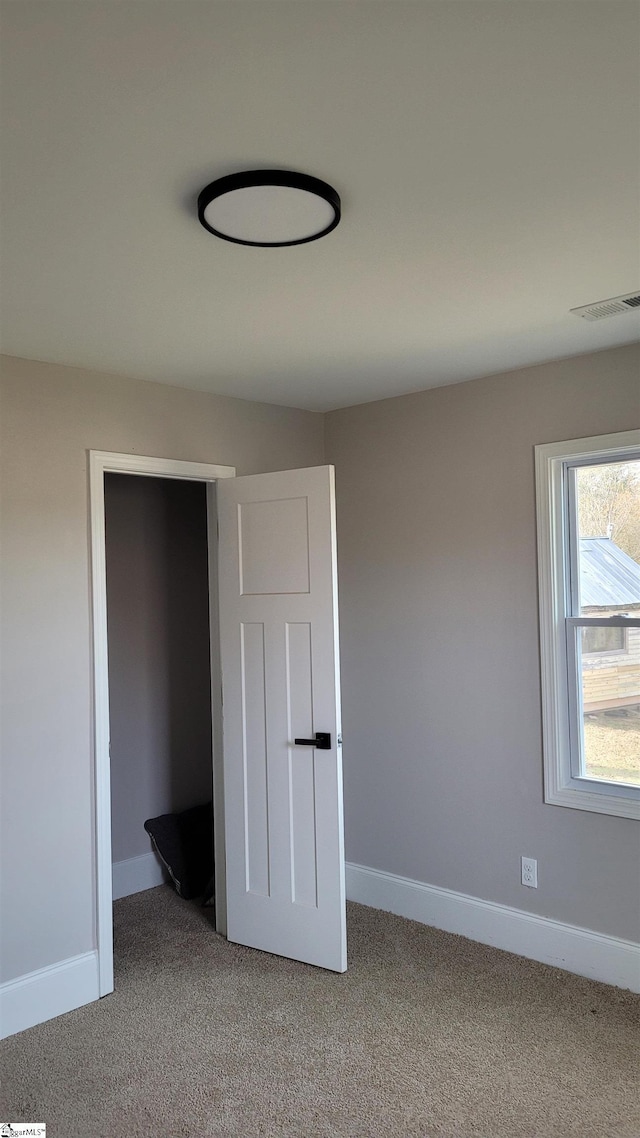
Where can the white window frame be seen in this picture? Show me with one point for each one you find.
(559, 617)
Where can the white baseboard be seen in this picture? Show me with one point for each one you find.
(592, 954)
(48, 992)
(136, 874)
(70, 984)
(60, 988)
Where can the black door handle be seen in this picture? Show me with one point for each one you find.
(322, 741)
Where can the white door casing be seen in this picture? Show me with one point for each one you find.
(277, 585)
(100, 463)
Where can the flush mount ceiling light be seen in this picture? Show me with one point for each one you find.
(269, 208)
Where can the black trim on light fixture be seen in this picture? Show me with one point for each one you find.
(289, 178)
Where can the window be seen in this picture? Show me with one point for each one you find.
(588, 504)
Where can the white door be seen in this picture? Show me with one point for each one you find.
(280, 682)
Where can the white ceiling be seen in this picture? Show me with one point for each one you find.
(486, 152)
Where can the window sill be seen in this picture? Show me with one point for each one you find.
(578, 797)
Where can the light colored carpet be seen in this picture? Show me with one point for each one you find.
(427, 1034)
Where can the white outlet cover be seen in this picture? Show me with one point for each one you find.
(529, 872)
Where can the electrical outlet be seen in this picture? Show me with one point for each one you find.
(529, 872)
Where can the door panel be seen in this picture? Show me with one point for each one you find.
(254, 757)
(302, 775)
(266, 529)
(279, 652)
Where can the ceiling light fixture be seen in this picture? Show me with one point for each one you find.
(269, 208)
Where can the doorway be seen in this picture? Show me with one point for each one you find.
(159, 682)
(102, 465)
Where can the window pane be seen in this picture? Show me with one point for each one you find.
(611, 706)
(604, 640)
(608, 501)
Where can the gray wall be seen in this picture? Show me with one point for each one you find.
(51, 417)
(436, 542)
(439, 630)
(159, 675)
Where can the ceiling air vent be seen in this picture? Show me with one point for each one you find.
(603, 308)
